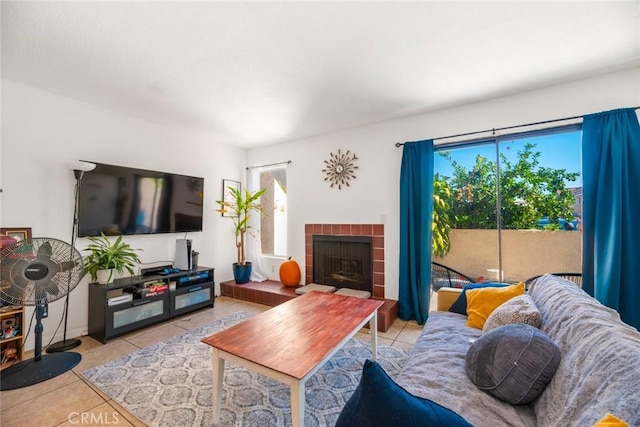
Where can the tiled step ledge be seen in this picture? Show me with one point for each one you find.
(272, 293)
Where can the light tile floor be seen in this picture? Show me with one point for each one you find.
(70, 400)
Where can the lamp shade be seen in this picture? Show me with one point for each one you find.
(83, 166)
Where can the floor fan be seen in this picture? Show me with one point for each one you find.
(34, 272)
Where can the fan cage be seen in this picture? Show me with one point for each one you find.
(60, 264)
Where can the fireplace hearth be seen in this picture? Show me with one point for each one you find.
(343, 261)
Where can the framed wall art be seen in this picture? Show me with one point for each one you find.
(9, 236)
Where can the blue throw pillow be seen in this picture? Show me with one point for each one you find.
(380, 402)
(460, 305)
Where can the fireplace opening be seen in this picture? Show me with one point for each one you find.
(343, 261)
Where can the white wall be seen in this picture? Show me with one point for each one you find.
(373, 196)
(42, 133)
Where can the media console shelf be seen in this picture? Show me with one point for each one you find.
(131, 303)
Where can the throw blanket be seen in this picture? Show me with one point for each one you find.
(435, 370)
(600, 367)
(599, 372)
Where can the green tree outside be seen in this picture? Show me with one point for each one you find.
(441, 225)
(528, 192)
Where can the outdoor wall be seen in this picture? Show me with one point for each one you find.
(43, 134)
(525, 253)
(372, 198)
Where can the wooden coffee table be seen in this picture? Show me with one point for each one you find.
(291, 341)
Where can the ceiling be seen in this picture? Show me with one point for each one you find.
(255, 73)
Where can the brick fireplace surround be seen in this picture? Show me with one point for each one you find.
(376, 231)
(272, 293)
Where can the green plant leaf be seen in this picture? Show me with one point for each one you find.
(240, 206)
(105, 255)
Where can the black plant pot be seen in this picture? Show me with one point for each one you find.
(242, 273)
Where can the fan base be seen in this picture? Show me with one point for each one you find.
(30, 372)
(59, 346)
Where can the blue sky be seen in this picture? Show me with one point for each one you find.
(559, 151)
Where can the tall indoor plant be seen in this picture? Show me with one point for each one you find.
(106, 257)
(239, 208)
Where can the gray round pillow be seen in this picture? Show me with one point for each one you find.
(513, 363)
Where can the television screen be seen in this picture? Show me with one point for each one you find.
(119, 200)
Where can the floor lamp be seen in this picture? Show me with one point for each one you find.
(67, 344)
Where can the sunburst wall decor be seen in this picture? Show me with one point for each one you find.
(340, 168)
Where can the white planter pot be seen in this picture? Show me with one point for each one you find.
(106, 276)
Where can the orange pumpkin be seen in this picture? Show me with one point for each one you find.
(289, 273)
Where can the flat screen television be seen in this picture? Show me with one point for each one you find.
(119, 200)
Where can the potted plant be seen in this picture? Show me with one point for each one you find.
(106, 257)
(239, 208)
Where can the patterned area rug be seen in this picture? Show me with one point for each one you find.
(169, 383)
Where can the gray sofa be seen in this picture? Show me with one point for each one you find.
(599, 372)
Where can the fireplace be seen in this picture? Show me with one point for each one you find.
(375, 232)
(343, 261)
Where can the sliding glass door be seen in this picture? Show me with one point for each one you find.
(509, 208)
(465, 182)
(541, 204)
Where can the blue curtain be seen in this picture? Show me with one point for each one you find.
(611, 208)
(416, 204)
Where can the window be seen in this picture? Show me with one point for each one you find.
(273, 224)
(510, 208)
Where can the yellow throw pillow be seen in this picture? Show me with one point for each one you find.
(611, 420)
(482, 301)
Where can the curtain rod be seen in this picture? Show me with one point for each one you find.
(270, 164)
(400, 144)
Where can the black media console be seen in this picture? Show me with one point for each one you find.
(132, 303)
